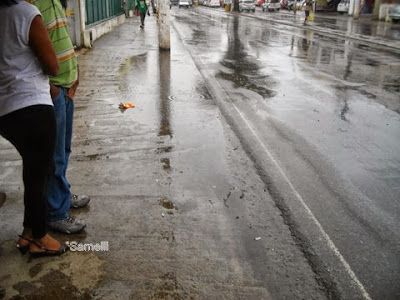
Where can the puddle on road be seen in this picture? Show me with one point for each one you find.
(244, 81)
(244, 69)
(136, 63)
(192, 96)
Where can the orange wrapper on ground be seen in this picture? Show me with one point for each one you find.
(126, 105)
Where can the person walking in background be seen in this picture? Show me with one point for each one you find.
(141, 5)
(308, 9)
(26, 113)
(153, 6)
(62, 91)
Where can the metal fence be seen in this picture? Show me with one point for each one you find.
(99, 10)
(131, 4)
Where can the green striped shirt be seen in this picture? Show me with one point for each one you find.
(56, 23)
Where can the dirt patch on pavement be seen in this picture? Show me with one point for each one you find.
(73, 275)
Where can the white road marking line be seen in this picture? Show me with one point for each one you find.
(308, 210)
(330, 243)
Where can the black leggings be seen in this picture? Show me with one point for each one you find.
(32, 131)
(142, 17)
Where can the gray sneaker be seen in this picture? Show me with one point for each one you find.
(69, 225)
(78, 201)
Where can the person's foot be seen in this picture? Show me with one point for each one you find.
(141, 26)
(46, 246)
(69, 225)
(23, 241)
(78, 201)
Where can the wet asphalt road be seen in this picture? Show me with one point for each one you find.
(324, 110)
(308, 162)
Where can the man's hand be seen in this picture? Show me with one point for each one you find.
(54, 91)
(72, 90)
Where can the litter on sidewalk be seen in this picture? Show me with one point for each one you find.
(125, 105)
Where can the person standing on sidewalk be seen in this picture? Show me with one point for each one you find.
(308, 9)
(153, 6)
(141, 5)
(62, 91)
(27, 118)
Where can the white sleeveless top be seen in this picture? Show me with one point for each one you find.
(22, 80)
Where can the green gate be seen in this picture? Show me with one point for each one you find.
(131, 4)
(100, 10)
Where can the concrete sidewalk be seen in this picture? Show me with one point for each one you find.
(174, 196)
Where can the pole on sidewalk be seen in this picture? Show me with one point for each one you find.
(375, 12)
(163, 21)
(357, 7)
(351, 7)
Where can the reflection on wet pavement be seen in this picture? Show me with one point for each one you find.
(161, 150)
(344, 110)
(385, 30)
(244, 71)
(165, 81)
(166, 164)
(135, 64)
(335, 100)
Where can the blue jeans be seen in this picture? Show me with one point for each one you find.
(58, 189)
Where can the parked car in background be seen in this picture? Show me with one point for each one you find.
(394, 14)
(185, 3)
(290, 4)
(343, 6)
(247, 5)
(174, 2)
(284, 4)
(300, 5)
(227, 2)
(271, 5)
(260, 2)
(214, 3)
